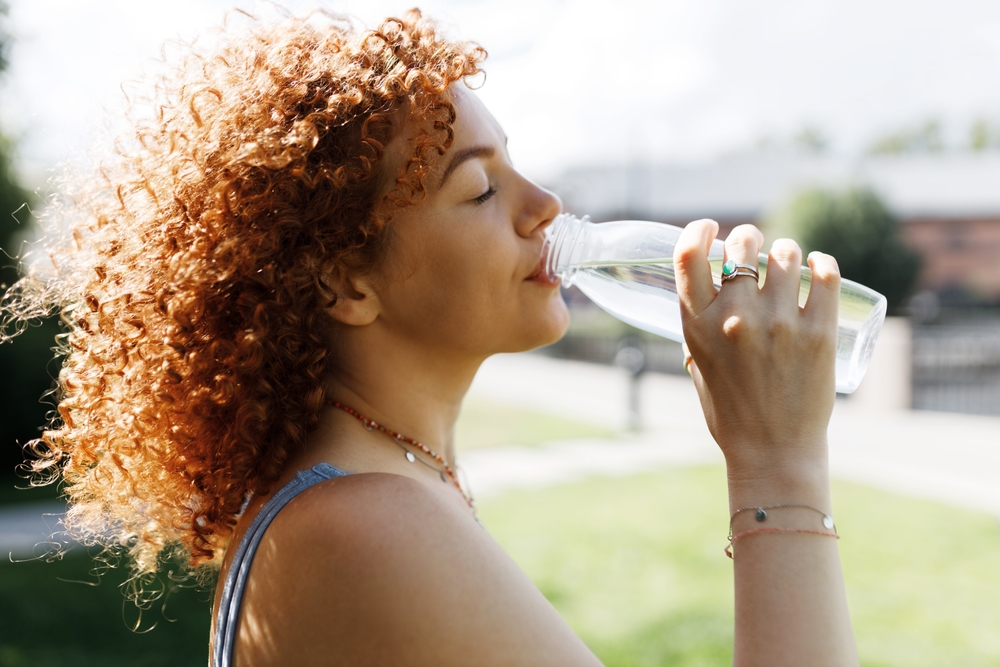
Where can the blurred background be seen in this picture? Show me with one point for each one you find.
(869, 130)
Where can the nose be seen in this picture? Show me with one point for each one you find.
(539, 207)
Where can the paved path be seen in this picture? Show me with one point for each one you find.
(945, 457)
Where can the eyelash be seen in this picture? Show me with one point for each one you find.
(481, 199)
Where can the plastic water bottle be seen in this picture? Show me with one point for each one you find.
(627, 268)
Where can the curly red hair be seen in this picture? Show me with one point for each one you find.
(195, 288)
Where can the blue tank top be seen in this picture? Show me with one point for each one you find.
(228, 616)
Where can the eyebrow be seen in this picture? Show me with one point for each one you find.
(462, 156)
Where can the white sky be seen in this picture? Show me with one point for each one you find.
(579, 80)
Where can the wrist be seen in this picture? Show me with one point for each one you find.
(805, 482)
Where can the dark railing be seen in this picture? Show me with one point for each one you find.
(956, 367)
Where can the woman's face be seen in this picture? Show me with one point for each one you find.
(464, 272)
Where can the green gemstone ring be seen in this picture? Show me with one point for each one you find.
(733, 269)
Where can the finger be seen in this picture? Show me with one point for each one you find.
(781, 286)
(742, 246)
(823, 303)
(695, 288)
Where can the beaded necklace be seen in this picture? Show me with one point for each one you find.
(446, 471)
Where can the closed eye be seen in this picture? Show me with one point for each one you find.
(481, 199)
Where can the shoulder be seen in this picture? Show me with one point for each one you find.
(350, 506)
(372, 520)
(379, 569)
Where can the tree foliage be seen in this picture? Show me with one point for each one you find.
(924, 138)
(855, 227)
(4, 39)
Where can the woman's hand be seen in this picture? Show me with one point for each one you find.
(763, 367)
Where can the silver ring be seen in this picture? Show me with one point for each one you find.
(733, 269)
(741, 272)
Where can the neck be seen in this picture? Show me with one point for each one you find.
(416, 390)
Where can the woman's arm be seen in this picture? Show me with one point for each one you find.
(764, 369)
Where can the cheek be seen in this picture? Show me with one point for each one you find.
(459, 284)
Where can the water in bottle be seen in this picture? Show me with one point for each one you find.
(627, 268)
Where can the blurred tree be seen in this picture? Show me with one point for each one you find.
(984, 135)
(923, 139)
(23, 363)
(4, 38)
(810, 139)
(856, 228)
(980, 135)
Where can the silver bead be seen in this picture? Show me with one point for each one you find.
(410, 457)
(827, 521)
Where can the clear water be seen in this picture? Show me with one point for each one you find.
(643, 293)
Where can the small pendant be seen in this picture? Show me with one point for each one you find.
(410, 457)
(827, 521)
(728, 269)
(761, 515)
(444, 478)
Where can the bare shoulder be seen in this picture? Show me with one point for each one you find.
(378, 569)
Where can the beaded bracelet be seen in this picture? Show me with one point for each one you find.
(732, 540)
(761, 515)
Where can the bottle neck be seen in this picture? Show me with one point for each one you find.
(563, 237)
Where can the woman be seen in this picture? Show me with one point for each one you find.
(314, 230)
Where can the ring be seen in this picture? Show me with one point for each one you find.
(732, 270)
(687, 364)
(741, 272)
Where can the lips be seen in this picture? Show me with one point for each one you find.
(540, 275)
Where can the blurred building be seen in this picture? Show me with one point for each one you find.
(948, 204)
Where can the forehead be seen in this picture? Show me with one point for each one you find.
(473, 121)
(474, 125)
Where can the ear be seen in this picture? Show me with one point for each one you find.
(357, 303)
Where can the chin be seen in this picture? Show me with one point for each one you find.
(548, 328)
(559, 325)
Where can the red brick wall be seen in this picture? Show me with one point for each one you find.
(963, 252)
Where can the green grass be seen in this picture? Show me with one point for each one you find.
(923, 579)
(60, 615)
(485, 423)
(636, 567)
(634, 564)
